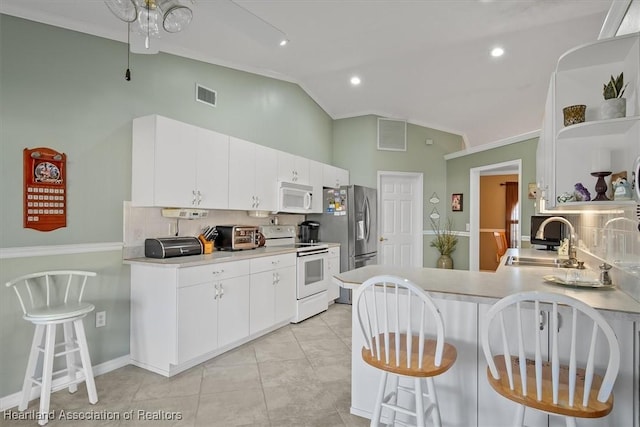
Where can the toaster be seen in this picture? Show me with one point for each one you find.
(236, 237)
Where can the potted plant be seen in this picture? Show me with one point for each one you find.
(445, 242)
(614, 104)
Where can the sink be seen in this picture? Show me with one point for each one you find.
(518, 261)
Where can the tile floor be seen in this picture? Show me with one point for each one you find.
(296, 376)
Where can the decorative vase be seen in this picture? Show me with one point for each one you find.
(445, 261)
(613, 108)
(573, 114)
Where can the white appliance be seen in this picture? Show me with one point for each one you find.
(294, 198)
(311, 269)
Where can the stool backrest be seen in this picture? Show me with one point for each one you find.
(388, 306)
(49, 288)
(501, 242)
(566, 351)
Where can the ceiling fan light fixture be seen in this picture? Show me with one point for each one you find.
(125, 10)
(284, 42)
(497, 52)
(176, 16)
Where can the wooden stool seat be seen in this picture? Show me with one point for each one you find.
(594, 409)
(428, 369)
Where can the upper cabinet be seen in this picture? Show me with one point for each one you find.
(292, 168)
(252, 176)
(334, 177)
(175, 164)
(567, 155)
(315, 180)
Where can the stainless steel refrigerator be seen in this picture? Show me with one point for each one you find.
(349, 218)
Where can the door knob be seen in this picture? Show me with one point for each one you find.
(382, 239)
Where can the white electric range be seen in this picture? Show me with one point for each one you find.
(311, 269)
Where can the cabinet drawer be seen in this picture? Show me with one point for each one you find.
(335, 251)
(206, 273)
(272, 262)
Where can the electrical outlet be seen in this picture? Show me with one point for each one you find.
(101, 319)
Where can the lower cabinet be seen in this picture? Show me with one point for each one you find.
(273, 291)
(333, 267)
(183, 316)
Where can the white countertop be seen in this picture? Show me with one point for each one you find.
(479, 286)
(214, 257)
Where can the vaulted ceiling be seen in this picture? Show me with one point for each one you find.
(424, 61)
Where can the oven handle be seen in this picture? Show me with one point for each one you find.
(308, 254)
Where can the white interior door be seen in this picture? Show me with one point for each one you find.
(400, 219)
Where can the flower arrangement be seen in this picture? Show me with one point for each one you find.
(614, 88)
(445, 240)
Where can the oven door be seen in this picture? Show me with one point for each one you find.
(311, 275)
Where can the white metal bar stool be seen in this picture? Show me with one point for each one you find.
(563, 385)
(49, 299)
(396, 318)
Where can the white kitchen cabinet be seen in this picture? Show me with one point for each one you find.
(579, 78)
(333, 267)
(183, 316)
(252, 176)
(175, 164)
(334, 177)
(292, 168)
(273, 292)
(315, 181)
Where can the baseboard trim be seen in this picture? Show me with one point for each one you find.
(13, 400)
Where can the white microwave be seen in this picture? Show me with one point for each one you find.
(294, 198)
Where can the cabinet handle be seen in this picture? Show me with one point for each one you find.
(542, 320)
(193, 200)
(257, 201)
(215, 286)
(199, 197)
(221, 291)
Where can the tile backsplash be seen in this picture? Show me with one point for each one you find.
(614, 239)
(141, 223)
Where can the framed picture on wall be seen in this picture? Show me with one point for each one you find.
(456, 202)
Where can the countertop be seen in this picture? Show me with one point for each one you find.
(480, 286)
(214, 257)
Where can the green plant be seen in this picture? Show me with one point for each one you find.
(614, 88)
(445, 240)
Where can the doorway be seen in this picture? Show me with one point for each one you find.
(513, 167)
(400, 219)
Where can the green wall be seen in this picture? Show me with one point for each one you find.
(458, 182)
(355, 148)
(66, 90)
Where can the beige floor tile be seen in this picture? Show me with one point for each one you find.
(309, 400)
(274, 351)
(327, 347)
(218, 379)
(157, 387)
(332, 368)
(236, 408)
(170, 411)
(242, 355)
(312, 333)
(329, 420)
(286, 373)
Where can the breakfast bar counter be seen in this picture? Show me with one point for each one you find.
(463, 297)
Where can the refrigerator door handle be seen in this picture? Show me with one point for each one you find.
(367, 218)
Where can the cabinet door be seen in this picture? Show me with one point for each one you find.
(233, 310)
(334, 177)
(623, 390)
(266, 182)
(315, 180)
(242, 174)
(197, 321)
(333, 267)
(262, 301)
(212, 167)
(175, 167)
(285, 295)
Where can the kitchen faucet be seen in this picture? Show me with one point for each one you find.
(573, 261)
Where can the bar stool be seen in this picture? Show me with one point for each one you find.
(49, 299)
(396, 317)
(562, 386)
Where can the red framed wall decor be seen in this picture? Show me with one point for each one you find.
(45, 189)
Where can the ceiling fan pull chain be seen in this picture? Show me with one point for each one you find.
(127, 74)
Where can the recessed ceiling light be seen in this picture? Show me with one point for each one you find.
(355, 80)
(284, 42)
(497, 51)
